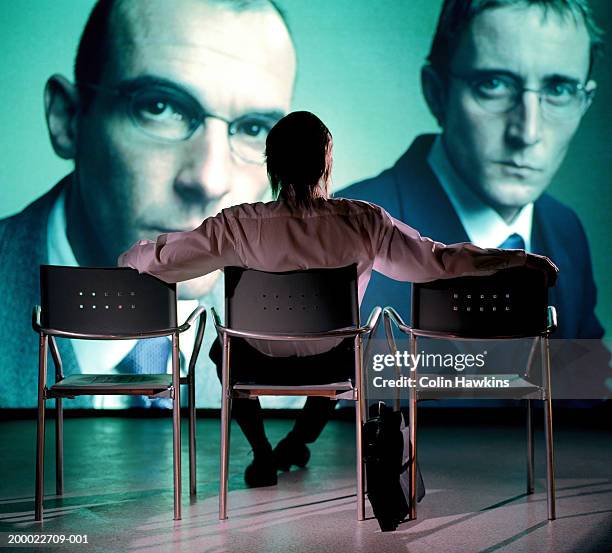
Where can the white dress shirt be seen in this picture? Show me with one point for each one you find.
(484, 226)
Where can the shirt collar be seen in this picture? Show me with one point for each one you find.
(484, 226)
(92, 356)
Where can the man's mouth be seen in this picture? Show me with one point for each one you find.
(519, 166)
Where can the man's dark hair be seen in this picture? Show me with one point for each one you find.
(96, 41)
(456, 16)
(299, 158)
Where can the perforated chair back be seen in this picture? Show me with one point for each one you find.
(105, 301)
(288, 308)
(316, 300)
(512, 302)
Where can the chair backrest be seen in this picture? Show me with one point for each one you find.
(511, 302)
(314, 300)
(105, 301)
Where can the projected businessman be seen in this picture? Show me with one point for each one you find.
(165, 122)
(508, 82)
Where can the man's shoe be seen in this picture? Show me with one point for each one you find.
(290, 451)
(262, 471)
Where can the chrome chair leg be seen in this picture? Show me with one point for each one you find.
(360, 467)
(359, 409)
(530, 452)
(548, 428)
(226, 406)
(192, 436)
(176, 427)
(40, 430)
(59, 446)
(412, 413)
(550, 462)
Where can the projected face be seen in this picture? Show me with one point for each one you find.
(515, 97)
(177, 127)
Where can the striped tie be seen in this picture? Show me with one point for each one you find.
(147, 357)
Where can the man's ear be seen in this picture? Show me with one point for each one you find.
(61, 111)
(591, 88)
(434, 91)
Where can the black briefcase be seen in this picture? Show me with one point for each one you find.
(387, 461)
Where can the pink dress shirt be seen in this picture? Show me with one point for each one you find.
(275, 236)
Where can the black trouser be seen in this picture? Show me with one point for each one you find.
(250, 365)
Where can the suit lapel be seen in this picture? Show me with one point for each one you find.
(545, 241)
(28, 233)
(423, 203)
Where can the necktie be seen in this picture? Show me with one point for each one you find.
(513, 242)
(147, 357)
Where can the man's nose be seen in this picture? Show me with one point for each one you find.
(525, 121)
(205, 173)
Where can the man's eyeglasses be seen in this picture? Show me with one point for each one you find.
(560, 99)
(169, 114)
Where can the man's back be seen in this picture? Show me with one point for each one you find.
(280, 236)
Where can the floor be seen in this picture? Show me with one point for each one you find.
(119, 489)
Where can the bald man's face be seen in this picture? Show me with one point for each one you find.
(200, 86)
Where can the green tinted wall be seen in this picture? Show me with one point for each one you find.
(359, 63)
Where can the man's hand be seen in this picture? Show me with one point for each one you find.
(121, 260)
(124, 259)
(543, 263)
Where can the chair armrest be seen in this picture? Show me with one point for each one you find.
(55, 354)
(36, 313)
(36, 318)
(85, 336)
(198, 340)
(346, 332)
(215, 316)
(373, 318)
(390, 314)
(349, 331)
(57, 359)
(192, 318)
(552, 319)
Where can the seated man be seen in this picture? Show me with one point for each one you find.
(305, 229)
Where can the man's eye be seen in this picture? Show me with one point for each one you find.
(253, 128)
(561, 90)
(159, 110)
(156, 108)
(493, 86)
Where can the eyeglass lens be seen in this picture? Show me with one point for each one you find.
(500, 94)
(170, 114)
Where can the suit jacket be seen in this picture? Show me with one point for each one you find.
(411, 192)
(23, 248)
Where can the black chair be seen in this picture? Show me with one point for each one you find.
(110, 304)
(511, 304)
(296, 306)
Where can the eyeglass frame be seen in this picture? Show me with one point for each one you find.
(129, 90)
(586, 95)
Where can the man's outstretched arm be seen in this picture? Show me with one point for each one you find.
(403, 254)
(179, 256)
